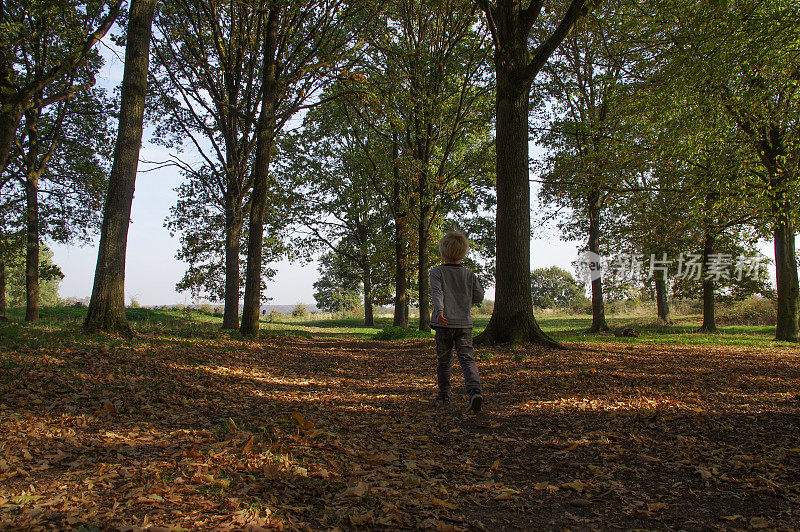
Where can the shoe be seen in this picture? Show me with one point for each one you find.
(443, 401)
(475, 401)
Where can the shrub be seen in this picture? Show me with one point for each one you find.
(686, 306)
(400, 333)
(300, 311)
(579, 307)
(485, 308)
(751, 311)
(276, 316)
(207, 309)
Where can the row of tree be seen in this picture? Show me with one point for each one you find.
(366, 128)
(673, 129)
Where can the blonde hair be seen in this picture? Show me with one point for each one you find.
(453, 246)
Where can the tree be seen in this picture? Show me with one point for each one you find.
(741, 67)
(336, 209)
(58, 156)
(338, 288)
(80, 27)
(16, 272)
(107, 305)
(582, 172)
(304, 45)
(208, 79)
(510, 23)
(555, 287)
(420, 93)
(200, 218)
(444, 110)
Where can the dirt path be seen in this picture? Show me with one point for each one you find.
(318, 434)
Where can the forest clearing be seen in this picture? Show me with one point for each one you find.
(188, 428)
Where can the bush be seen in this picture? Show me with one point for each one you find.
(207, 309)
(579, 307)
(300, 311)
(485, 308)
(686, 307)
(276, 316)
(74, 302)
(751, 311)
(400, 333)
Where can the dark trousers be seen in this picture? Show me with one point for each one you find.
(461, 340)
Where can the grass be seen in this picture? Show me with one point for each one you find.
(392, 332)
(62, 327)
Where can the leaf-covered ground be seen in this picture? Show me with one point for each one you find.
(173, 433)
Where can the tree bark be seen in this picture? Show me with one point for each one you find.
(788, 326)
(401, 302)
(662, 304)
(709, 310)
(512, 318)
(258, 199)
(32, 248)
(3, 282)
(107, 305)
(598, 305)
(233, 235)
(401, 298)
(369, 319)
(424, 261)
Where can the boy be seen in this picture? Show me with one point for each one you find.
(454, 289)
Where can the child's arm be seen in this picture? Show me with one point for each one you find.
(477, 290)
(436, 293)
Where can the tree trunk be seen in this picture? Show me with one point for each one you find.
(424, 258)
(3, 282)
(788, 327)
(107, 306)
(369, 319)
(662, 305)
(598, 305)
(32, 247)
(709, 317)
(401, 302)
(233, 237)
(512, 318)
(258, 198)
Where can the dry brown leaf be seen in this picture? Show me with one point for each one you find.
(576, 485)
(443, 504)
(361, 519)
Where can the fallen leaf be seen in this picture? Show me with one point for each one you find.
(361, 519)
(576, 485)
(443, 504)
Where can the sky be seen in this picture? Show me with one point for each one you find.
(152, 269)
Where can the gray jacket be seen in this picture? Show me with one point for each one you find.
(454, 289)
